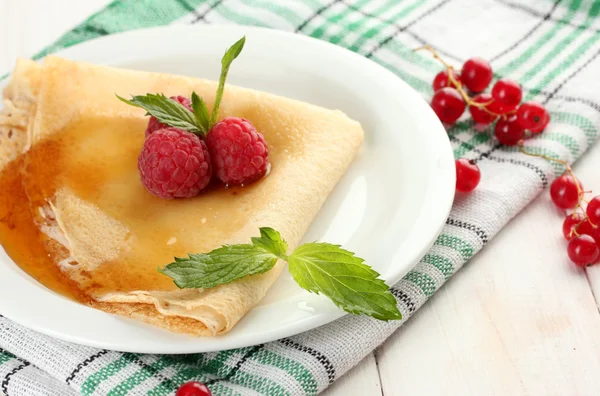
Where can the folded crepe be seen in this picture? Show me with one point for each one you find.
(77, 148)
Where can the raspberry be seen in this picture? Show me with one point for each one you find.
(174, 164)
(239, 153)
(155, 125)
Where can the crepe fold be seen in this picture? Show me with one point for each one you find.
(79, 146)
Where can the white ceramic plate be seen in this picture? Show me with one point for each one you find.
(388, 208)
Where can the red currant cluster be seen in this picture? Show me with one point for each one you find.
(515, 121)
(582, 227)
(503, 104)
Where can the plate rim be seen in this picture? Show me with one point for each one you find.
(440, 199)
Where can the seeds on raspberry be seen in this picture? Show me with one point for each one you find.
(533, 116)
(442, 80)
(476, 74)
(155, 125)
(508, 131)
(480, 116)
(467, 175)
(448, 105)
(583, 250)
(564, 192)
(508, 93)
(174, 164)
(239, 153)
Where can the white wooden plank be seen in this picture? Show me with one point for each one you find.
(519, 319)
(362, 380)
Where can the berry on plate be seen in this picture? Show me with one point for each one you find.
(239, 153)
(476, 74)
(174, 164)
(155, 125)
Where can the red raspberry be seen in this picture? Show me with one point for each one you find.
(239, 153)
(174, 164)
(155, 125)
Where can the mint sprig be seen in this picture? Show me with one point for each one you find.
(320, 268)
(173, 113)
(167, 111)
(229, 57)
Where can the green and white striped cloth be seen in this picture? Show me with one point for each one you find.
(551, 47)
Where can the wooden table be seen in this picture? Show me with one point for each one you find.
(519, 319)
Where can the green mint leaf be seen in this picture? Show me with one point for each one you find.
(200, 111)
(344, 278)
(229, 56)
(167, 111)
(233, 52)
(271, 241)
(320, 268)
(220, 266)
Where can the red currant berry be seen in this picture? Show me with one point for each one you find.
(569, 224)
(476, 74)
(533, 116)
(497, 107)
(508, 131)
(576, 224)
(442, 80)
(448, 105)
(596, 235)
(508, 93)
(564, 192)
(593, 210)
(480, 116)
(467, 175)
(193, 388)
(583, 250)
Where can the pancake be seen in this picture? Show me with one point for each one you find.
(79, 146)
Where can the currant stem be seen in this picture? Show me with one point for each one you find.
(457, 84)
(451, 77)
(564, 163)
(580, 191)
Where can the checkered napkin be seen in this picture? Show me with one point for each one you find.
(550, 47)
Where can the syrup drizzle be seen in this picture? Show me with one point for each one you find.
(96, 159)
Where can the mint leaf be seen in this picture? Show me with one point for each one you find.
(270, 240)
(200, 111)
(320, 268)
(220, 266)
(229, 56)
(344, 278)
(167, 111)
